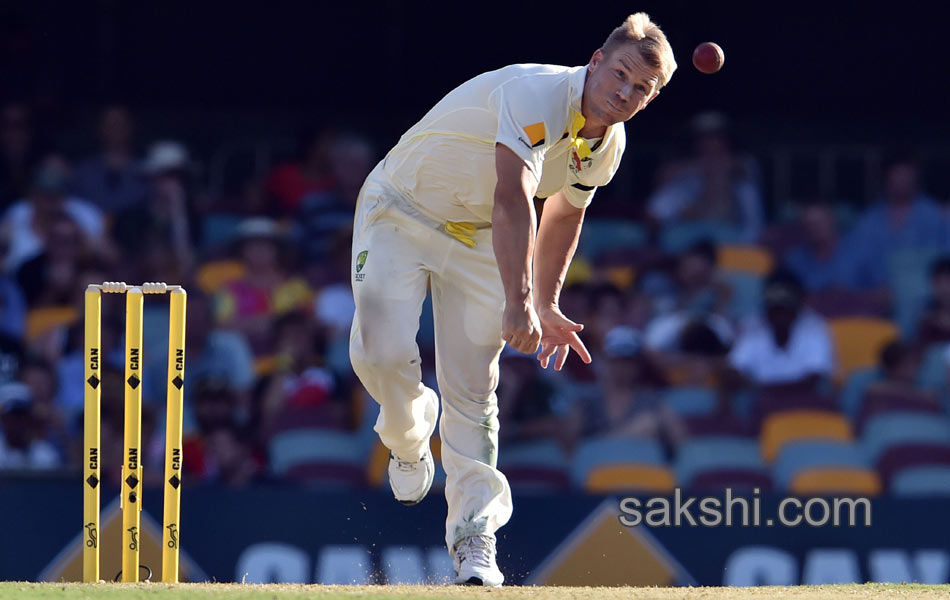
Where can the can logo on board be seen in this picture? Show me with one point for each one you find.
(134, 359)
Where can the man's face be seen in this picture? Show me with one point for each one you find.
(618, 85)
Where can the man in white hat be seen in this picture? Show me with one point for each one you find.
(451, 207)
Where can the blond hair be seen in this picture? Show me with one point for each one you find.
(650, 39)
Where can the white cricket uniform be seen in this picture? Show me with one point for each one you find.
(443, 170)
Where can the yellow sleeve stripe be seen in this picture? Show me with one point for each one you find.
(535, 133)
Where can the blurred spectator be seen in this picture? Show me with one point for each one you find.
(49, 418)
(324, 212)
(28, 223)
(20, 446)
(905, 218)
(898, 366)
(230, 460)
(215, 352)
(112, 179)
(268, 288)
(300, 381)
(630, 404)
(715, 185)
(18, 154)
(820, 262)
(934, 326)
(791, 344)
(52, 276)
(310, 172)
(526, 402)
(13, 307)
(214, 407)
(695, 298)
(167, 221)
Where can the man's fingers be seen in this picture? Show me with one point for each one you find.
(546, 351)
(562, 352)
(575, 342)
(567, 324)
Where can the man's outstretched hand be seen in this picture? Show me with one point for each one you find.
(559, 335)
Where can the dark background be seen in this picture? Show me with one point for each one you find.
(832, 70)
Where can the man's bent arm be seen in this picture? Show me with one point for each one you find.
(513, 223)
(557, 239)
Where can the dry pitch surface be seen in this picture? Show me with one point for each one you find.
(225, 591)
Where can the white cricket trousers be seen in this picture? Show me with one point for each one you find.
(404, 254)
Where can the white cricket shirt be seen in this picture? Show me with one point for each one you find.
(445, 163)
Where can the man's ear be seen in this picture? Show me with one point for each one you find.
(595, 59)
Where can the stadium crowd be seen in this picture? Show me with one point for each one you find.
(734, 344)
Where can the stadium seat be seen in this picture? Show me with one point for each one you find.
(212, 276)
(40, 321)
(698, 456)
(612, 450)
(858, 343)
(535, 466)
(776, 399)
(879, 402)
(691, 401)
(909, 278)
(826, 481)
(889, 430)
(807, 455)
(746, 294)
(318, 456)
(605, 479)
(599, 235)
(852, 393)
(898, 458)
(745, 259)
(676, 238)
(789, 426)
(922, 482)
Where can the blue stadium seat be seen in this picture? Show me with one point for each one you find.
(922, 481)
(678, 237)
(311, 454)
(798, 456)
(853, 390)
(888, 430)
(691, 401)
(534, 466)
(599, 235)
(909, 276)
(616, 450)
(746, 294)
(716, 453)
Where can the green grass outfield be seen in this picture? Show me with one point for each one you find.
(188, 591)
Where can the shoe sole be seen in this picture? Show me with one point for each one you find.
(424, 493)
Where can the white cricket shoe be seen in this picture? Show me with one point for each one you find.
(409, 480)
(475, 562)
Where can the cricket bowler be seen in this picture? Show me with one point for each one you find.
(451, 208)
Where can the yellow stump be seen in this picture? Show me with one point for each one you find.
(91, 423)
(173, 414)
(132, 467)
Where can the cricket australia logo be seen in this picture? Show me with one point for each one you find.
(578, 164)
(360, 262)
(93, 541)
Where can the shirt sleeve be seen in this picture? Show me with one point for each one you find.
(587, 174)
(521, 125)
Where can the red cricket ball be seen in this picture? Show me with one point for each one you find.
(708, 57)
